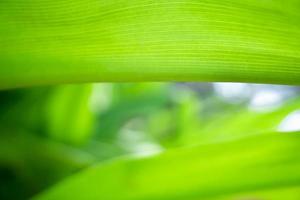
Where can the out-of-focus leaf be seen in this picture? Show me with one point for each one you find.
(176, 120)
(23, 108)
(258, 163)
(68, 114)
(63, 112)
(130, 101)
(239, 123)
(35, 163)
(47, 42)
(286, 193)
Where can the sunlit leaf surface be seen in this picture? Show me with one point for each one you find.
(46, 42)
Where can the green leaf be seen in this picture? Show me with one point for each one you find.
(68, 116)
(48, 42)
(35, 162)
(288, 193)
(253, 165)
(240, 123)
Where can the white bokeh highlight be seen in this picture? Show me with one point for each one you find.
(290, 123)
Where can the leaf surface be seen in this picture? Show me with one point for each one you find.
(48, 42)
(251, 165)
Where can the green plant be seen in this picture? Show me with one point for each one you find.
(49, 133)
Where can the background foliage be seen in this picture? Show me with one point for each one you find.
(214, 142)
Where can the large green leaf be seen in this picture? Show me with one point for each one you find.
(252, 166)
(47, 42)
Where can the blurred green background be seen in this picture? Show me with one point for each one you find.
(50, 133)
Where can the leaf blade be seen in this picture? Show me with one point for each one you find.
(253, 164)
(84, 41)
